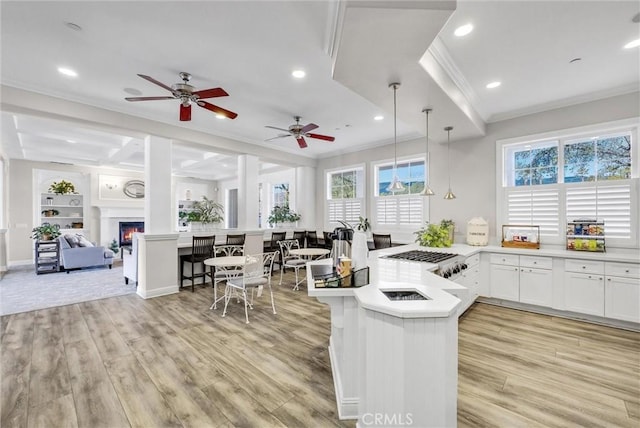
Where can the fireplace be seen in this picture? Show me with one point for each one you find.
(127, 229)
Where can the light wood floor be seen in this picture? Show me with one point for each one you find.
(170, 361)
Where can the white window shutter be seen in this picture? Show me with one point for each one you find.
(410, 210)
(611, 203)
(348, 210)
(538, 207)
(386, 210)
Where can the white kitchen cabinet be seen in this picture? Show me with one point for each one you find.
(622, 291)
(505, 282)
(584, 293)
(536, 286)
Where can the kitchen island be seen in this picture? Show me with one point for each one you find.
(394, 359)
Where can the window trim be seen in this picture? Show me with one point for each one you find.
(631, 126)
(363, 200)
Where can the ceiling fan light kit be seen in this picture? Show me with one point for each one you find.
(187, 95)
(396, 184)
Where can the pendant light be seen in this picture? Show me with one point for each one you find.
(396, 184)
(427, 190)
(449, 194)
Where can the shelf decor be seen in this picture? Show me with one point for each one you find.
(521, 236)
(62, 187)
(586, 235)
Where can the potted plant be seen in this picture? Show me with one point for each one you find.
(450, 226)
(62, 187)
(363, 224)
(113, 246)
(45, 232)
(50, 212)
(282, 214)
(206, 211)
(433, 235)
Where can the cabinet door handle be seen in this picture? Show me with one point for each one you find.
(516, 269)
(584, 267)
(535, 263)
(589, 276)
(609, 279)
(627, 271)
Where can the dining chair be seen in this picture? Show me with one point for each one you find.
(201, 249)
(275, 237)
(300, 235)
(256, 274)
(291, 260)
(312, 239)
(235, 239)
(381, 241)
(219, 274)
(328, 240)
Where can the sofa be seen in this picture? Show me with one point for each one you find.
(78, 252)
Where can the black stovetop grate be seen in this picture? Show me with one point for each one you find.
(422, 256)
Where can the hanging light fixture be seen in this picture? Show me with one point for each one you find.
(396, 184)
(449, 194)
(427, 190)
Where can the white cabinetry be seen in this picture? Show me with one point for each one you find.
(584, 286)
(67, 211)
(536, 280)
(470, 278)
(622, 291)
(505, 278)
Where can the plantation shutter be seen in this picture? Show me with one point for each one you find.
(611, 203)
(386, 210)
(348, 210)
(537, 207)
(410, 210)
(399, 210)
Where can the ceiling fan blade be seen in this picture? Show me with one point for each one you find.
(211, 93)
(279, 136)
(218, 110)
(185, 113)
(321, 137)
(279, 129)
(148, 98)
(301, 142)
(154, 81)
(308, 127)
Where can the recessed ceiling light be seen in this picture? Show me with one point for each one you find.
(67, 72)
(632, 44)
(493, 85)
(298, 74)
(463, 30)
(379, 117)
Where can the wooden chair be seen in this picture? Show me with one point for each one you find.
(235, 239)
(201, 249)
(300, 235)
(312, 239)
(255, 273)
(381, 241)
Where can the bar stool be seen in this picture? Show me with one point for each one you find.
(201, 249)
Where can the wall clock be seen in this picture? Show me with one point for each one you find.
(134, 189)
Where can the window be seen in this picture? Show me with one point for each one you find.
(345, 195)
(402, 208)
(281, 195)
(549, 182)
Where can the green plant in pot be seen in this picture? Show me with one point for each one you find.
(282, 214)
(450, 226)
(45, 232)
(433, 235)
(363, 224)
(206, 211)
(62, 187)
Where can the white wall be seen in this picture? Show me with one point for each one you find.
(473, 161)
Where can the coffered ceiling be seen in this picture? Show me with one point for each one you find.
(350, 51)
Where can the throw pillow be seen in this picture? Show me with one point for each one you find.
(84, 242)
(72, 240)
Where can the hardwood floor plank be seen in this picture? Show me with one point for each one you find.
(56, 413)
(49, 377)
(143, 404)
(300, 412)
(15, 367)
(74, 328)
(105, 335)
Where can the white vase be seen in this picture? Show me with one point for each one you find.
(359, 250)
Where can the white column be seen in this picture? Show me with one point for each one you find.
(247, 192)
(3, 250)
(305, 197)
(158, 247)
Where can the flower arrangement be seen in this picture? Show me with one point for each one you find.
(62, 187)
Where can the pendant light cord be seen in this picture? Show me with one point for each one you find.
(449, 154)
(395, 132)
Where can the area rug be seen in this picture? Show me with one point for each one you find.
(21, 290)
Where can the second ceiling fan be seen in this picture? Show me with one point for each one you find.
(299, 131)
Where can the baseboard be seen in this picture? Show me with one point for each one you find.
(157, 292)
(347, 406)
(17, 263)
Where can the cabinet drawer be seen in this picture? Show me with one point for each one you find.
(625, 270)
(473, 260)
(584, 266)
(535, 262)
(504, 259)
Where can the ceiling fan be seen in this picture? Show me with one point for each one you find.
(187, 94)
(299, 132)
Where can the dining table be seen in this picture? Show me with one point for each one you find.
(232, 264)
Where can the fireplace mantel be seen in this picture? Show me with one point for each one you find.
(111, 216)
(121, 212)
